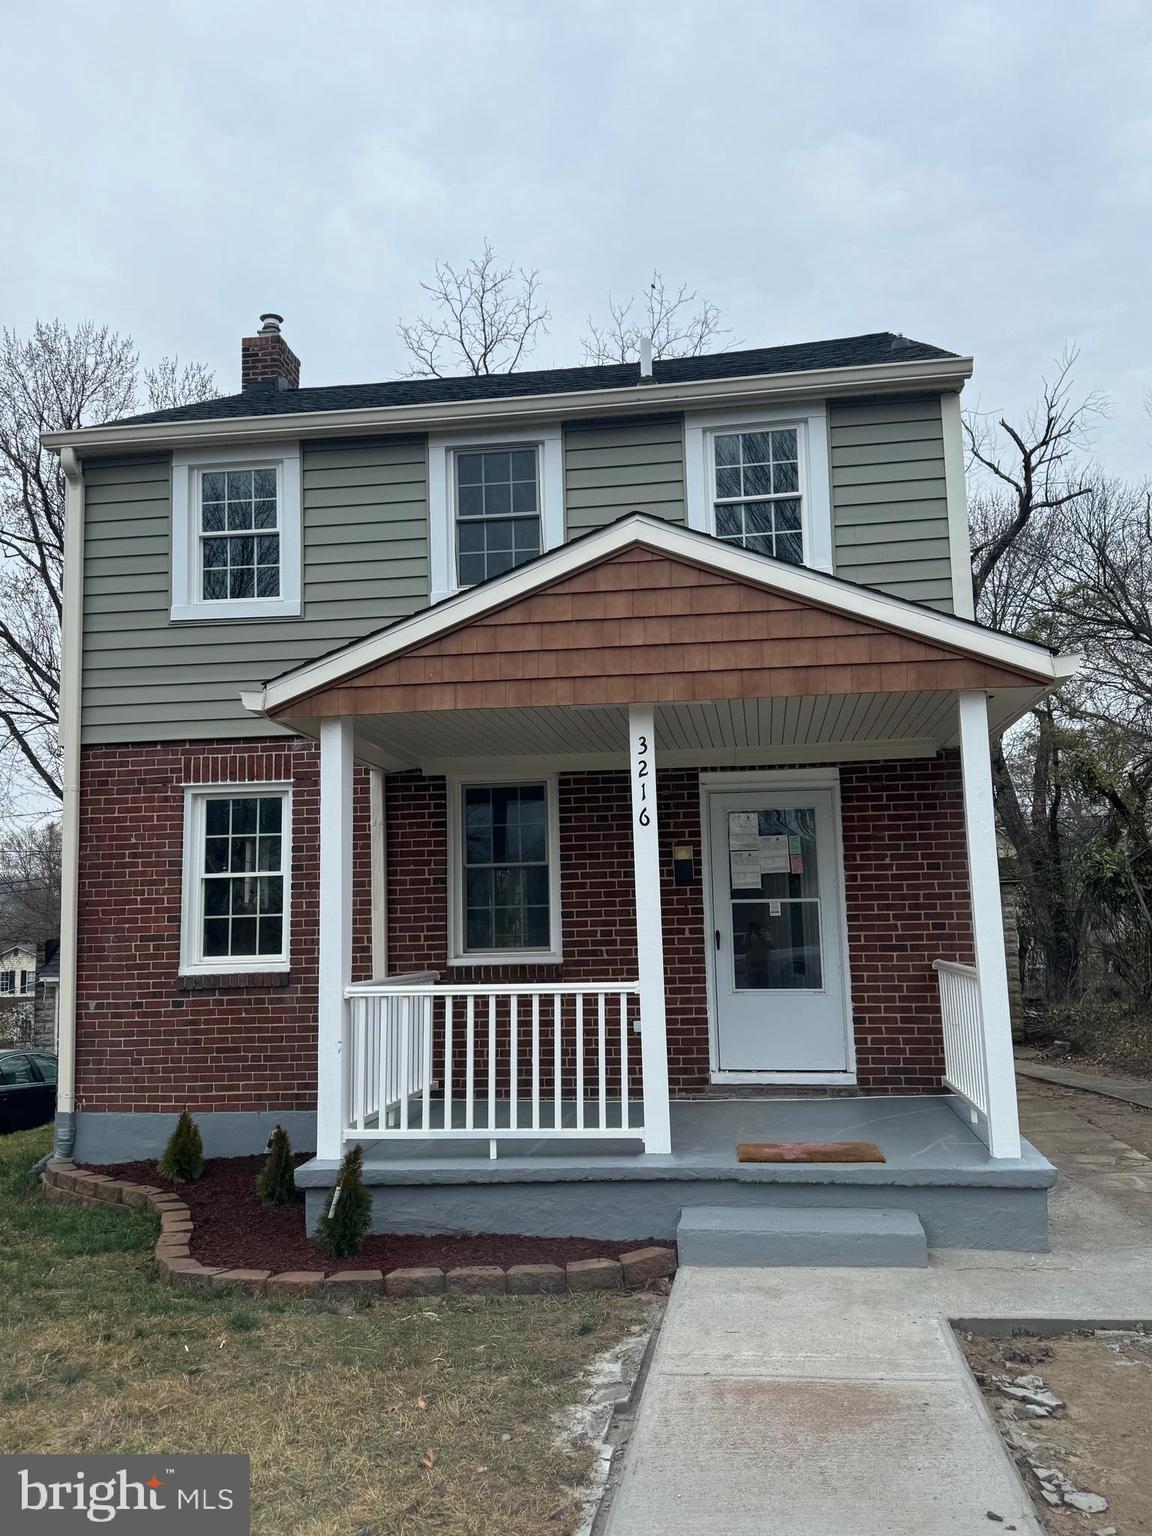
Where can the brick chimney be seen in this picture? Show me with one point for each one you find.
(266, 360)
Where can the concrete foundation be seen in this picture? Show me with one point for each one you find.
(129, 1138)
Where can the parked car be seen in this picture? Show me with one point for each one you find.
(27, 1089)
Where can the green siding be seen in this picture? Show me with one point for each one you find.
(365, 563)
(889, 503)
(611, 469)
(365, 554)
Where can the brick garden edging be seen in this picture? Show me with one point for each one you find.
(66, 1183)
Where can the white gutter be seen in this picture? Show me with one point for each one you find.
(943, 373)
(69, 728)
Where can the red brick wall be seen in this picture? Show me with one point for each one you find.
(906, 880)
(907, 903)
(145, 1042)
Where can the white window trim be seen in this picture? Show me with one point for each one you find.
(442, 448)
(811, 422)
(187, 467)
(191, 913)
(457, 955)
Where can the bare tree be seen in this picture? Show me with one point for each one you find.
(57, 379)
(486, 319)
(30, 880)
(1036, 471)
(1097, 584)
(170, 385)
(678, 322)
(1026, 480)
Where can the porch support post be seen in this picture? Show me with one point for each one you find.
(649, 926)
(335, 923)
(988, 925)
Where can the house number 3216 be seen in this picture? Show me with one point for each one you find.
(643, 768)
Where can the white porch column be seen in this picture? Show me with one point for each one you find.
(649, 926)
(335, 918)
(988, 925)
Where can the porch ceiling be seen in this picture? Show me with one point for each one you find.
(721, 732)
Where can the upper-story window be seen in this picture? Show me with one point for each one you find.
(757, 501)
(493, 503)
(761, 480)
(239, 534)
(497, 511)
(236, 534)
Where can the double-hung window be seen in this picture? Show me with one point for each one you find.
(497, 511)
(236, 534)
(761, 480)
(7, 983)
(237, 858)
(239, 534)
(505, 872)
(493, 503)
(757, 495)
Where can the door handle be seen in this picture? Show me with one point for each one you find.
(717, 938)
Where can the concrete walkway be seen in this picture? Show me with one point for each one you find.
(815, 1402)
(1130, 1090)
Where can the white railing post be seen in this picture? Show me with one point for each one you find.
(335, 967)
(988, 925)
(649, 928)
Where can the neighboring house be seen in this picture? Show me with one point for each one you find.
(17, 992)
(46, 1007)
(17, 972)
(596, 755)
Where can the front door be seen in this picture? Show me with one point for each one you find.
(778, 973)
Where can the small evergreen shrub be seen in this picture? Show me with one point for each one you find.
(275, 1184)
(183, 1159)
(344, 1226)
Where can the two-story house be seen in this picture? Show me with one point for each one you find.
(551, 781)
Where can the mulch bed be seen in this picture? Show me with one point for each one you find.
(233, 1229)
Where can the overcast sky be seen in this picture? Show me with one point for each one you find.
(974, 175)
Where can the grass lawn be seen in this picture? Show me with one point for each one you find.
(96, 1354)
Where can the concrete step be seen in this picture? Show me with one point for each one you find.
(763, 1236)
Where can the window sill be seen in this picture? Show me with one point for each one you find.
(230, 612)
(234, 981)
(509, 957)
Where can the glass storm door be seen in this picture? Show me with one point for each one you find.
(776, 909)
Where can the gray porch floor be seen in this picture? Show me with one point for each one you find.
(923, 1139)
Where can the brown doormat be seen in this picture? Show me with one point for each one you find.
(809, 1152)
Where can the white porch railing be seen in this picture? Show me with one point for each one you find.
(966, 1068)
(492, 1062)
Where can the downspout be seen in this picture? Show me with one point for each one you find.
(69, 728)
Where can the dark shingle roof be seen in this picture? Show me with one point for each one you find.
(844, 352)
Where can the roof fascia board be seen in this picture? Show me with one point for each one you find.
(944, 373)
(795, 581)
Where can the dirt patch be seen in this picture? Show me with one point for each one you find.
(1099, 1440)
(233, 1229)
